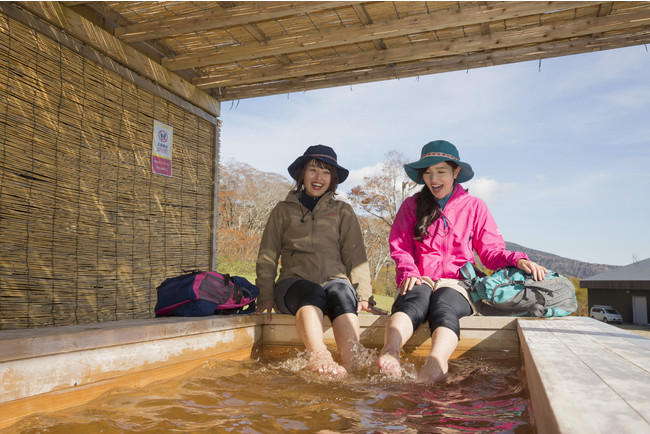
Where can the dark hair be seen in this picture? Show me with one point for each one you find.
(300, 174)
(427, 208)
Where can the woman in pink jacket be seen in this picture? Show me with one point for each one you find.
(435, 233)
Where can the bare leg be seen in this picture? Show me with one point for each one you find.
(443, 343)
(398, 330)
(309, 322)
(346, 333)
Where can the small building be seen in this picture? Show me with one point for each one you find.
(626, 289)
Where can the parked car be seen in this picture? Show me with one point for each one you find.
(605, 314)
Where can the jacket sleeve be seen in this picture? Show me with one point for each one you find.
(488, 241)
(353, 253)
(402, 244)
(269, 255)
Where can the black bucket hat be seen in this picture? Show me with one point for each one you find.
(319, 152)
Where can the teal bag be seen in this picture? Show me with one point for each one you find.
(510, 291)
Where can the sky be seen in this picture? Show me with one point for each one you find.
(560, 149)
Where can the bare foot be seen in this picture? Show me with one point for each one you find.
(432, 371)
(323, 363)
(388, 362)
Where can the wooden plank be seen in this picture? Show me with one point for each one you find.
(214, 19)
(23, 343)
(430, 49)
(434, 66)
(37, 375)
(633, 347)
(421, 23)
(627, 379)
(567, 395)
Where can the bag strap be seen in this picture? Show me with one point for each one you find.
(468, 271)
(237, 292)
(501, 285)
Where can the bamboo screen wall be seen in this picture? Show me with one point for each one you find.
(87, 232)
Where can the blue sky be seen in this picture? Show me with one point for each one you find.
(560, 151)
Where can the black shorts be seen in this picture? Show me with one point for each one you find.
(336, 297)
(443, 307)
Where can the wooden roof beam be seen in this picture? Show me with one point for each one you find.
(434, 66)
(458, 46)
(216, 19)
(365, 19)
(385, 29)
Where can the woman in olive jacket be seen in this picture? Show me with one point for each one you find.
(324, 270)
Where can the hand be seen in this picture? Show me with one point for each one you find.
(409, 283)
(537, 271)
(268, 306)
(368, 307)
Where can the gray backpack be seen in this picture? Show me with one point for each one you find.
(510, 291)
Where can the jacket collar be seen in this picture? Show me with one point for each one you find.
(459, 192)
(292, 197)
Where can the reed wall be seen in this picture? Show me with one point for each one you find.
(87, 231)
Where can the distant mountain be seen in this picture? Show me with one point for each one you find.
(564, 266)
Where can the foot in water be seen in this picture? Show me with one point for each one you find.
(323, 363)
(388, 363)
(432, 371)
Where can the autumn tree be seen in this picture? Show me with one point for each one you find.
(375, 237)
(379, 197)
(245, 199)
(247, 196)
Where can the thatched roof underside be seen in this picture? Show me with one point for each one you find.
(236, 50)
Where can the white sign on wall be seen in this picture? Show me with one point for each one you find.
(161, 156)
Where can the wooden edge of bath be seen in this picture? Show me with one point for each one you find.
(484, 334)
(585, 376)
(19, 344)
(51, 369)
(43, 370)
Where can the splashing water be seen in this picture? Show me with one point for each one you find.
(271, 395)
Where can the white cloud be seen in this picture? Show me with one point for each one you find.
(356, 176)
(490, 190)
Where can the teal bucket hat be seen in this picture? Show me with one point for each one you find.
(436, 152)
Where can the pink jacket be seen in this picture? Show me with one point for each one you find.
(470, 227)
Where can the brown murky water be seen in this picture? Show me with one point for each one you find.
(278, 395)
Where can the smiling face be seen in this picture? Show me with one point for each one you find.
(317, 179)
(439, 178)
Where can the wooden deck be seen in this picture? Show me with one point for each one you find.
(583, 375)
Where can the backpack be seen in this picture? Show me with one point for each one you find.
(511, 291)
(202, 293)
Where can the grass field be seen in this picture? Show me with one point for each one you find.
(384, 302)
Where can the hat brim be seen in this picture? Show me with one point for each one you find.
(293, 168)
(466, 173)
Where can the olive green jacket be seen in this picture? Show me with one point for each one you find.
(318, 246)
